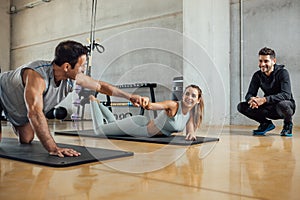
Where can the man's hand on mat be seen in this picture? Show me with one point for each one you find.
(62, 152)
(191, 136)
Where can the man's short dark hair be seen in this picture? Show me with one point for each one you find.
(267, 51)
(69, 51)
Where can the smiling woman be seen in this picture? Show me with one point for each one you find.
(175, 117)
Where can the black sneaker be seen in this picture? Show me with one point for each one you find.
(287, 130)
(263, 128)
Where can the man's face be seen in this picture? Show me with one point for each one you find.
(79, 67)
(266, 64)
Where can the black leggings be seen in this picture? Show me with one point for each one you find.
(282, 110)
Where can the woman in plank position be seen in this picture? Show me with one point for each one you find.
(175, 117)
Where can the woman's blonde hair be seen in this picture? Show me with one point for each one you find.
(197, 111)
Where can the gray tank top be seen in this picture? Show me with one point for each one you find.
(169, 125)
(12, 91)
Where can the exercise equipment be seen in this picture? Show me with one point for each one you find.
(50, 114)
(151, 87)
(83, 94)
(35, 153)
(173, 140)
(120, 104)
(177, 88)
(60, 112)
(57, 113)
(81, 100)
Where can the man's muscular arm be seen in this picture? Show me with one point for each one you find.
(33, 94)
(106, 88)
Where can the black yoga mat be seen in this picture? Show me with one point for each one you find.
(174, 140)
(35, 153)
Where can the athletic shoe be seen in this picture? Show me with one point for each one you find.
(287, 130)
(263, 128)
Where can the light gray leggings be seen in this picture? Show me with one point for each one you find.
(135, 126)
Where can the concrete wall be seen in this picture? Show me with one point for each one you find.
(273, 23)
(36, 32)
(210, 27)
(206, 48)
(4, 35)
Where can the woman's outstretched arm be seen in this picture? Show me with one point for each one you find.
(169, 106)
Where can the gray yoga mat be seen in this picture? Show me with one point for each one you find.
(35, 153)
(174, 140)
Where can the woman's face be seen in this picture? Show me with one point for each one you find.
(190, 97)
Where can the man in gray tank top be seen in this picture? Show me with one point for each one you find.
(31, 90)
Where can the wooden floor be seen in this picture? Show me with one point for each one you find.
(239, 166)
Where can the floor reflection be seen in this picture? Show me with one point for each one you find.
(270, 167)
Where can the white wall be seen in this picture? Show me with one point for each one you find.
(273, 23)
(36, 32)
(4, 35)
(211, 27)
(206, 26)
